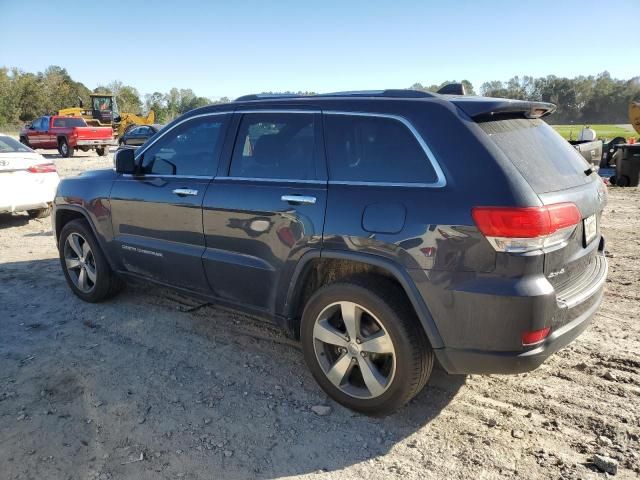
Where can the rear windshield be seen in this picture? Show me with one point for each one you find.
(69, 122)
(9, 145)
(546, 160)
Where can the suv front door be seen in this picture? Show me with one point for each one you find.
(157, 213)
(266, 209)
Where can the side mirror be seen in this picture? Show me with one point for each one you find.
(29, 126)
(125, 161)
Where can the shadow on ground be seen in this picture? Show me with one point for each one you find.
(194, 392)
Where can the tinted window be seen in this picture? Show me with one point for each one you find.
(142, 131)
(9, 145)
(374, 149)
(69, 122)
(191, 148)
(546, 160)
(275, 145)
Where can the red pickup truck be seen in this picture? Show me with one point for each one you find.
(66, 134)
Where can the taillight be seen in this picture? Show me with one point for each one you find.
(535, 336)
(527, 229)
(42, 168)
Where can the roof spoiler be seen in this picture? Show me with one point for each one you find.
(485, 108)
(452, 89)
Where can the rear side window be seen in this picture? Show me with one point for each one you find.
(69, 122)
(546, 160)
(192, 148)
(374, 149)
(275, 145)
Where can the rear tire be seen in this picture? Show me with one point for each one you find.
(623, 181)
(64, 149)
(79, 250)
(386, 317)
(39, 212)
(101, 151)
(25, 141)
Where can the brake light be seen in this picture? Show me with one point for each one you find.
(535, 336)
(526, 229)
(42, 168)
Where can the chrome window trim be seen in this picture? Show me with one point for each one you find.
(156, 175)
(440, 182)
(164, 131)
(312, 111)
(273, 180)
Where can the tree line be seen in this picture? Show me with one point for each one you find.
(583, 99)
(580, 100)
(25, 96)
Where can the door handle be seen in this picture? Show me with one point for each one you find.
(183, 192)
(299, 199)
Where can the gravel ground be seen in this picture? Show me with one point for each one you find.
(153, 385)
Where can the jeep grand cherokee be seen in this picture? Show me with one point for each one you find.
(383, 229)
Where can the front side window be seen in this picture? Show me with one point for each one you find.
(275, 145)
(192, 148)
(374, 149)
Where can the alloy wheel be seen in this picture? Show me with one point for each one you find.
(354, 350)
(80, 262)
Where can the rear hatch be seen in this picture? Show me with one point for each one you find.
(557, 173)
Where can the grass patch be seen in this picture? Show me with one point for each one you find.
(603, 131)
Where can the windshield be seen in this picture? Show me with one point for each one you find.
(103, 103)
(9, 145)
(546, 160)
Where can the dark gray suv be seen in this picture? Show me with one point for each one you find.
(383, 229)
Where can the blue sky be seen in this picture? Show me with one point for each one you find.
(235, 47)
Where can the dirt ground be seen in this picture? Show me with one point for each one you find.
(151, 385)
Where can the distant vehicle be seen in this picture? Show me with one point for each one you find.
(383, 229)
(136, 136)
(28, 181)
(103, 112)
(66, 134)
(591, 151)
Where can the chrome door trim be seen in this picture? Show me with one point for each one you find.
(441, 180)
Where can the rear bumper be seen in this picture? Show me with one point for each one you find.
(95, 143)
(463, 361)
(27, 191)
(574, 310)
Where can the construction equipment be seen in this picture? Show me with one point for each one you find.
(634, 115)
(104, 112)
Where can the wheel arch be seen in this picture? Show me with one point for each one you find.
(308, 277)
(66, 213)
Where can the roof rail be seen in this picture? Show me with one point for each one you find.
(390, 93)
(265, 96)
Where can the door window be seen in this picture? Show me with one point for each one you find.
(374, 149)
(275, 145)
(192, 148)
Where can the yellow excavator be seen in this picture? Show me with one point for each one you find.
(103, 112)
(634, 115)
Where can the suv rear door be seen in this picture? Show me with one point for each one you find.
(157, 214)
(266, 208)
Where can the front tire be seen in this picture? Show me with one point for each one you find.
(39, 212)
(64, 149)
(101, 151)
(85, 266)
(387, 363)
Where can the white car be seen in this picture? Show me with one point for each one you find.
(28, 181)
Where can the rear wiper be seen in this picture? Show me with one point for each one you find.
(588, 171)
